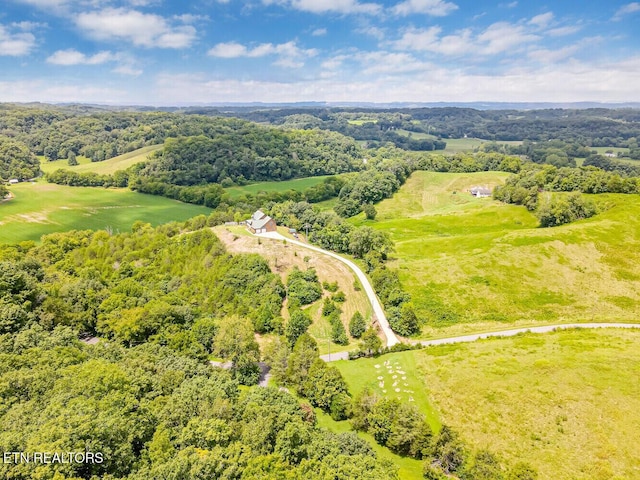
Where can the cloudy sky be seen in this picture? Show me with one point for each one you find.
(170, 52)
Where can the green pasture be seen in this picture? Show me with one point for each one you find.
(298, 184)
(568, 403)
(393, 375)
(455, 145)
(477, 264)
(415, 135)
(37, 209)
(121, 162)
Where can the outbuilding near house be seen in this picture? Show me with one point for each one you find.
(480, 192)
(13, 181)
(260, 222)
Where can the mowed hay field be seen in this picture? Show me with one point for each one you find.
(478, 265)
(121, 162)
(37, 209)
(567, 402)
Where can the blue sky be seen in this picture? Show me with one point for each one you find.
(163, 52)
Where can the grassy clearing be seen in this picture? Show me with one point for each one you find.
(390, 375)
(477, 264)
(121, 162)
(416, 135)
(455, 145)
(41, 208)
(568, 402)
(283, 257)
(298, 184)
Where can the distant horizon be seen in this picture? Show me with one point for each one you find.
(478, 105)
(204, 52)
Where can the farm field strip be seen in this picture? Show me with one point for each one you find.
(38, 208)
(298, 184)
(121, 162)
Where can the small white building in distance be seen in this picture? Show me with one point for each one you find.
(480, 192)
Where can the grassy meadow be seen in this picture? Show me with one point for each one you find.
(37, 209)
(121, 162)
(478, 265)
(567, 402)
(298, 184)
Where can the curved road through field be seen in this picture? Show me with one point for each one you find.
(371, 294)
(502, 333)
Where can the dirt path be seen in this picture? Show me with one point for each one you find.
(378, 312)
(515, 331)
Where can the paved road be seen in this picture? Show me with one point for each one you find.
(375, 303)
(332, 357)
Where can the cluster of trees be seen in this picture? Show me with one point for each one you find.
(332, 312)
(396, 301)
(303, 286)
(524, 188)
(62, 176)
(154, 414)
(558, 209)
(252, 153)
(612, 165)
(17, 161)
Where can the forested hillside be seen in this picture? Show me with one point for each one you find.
(252, 153)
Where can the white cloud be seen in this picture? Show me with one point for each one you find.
(290, 55)
(141, 29)
(189, 18)
(15, 44)
(435, 8)
(45, 4)
(572, 81)
(372, 31)
(390, 63)
(51, 92)
(28, 26)
(319, 32)
(502, 37)
(129, 70)
(625, 10)
(542, 20)
(73, 57)
(546, 57)
(498, 38)
(564, 31)
(328, 6)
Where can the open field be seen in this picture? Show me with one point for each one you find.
(455, 145)
(282, 258)
(478, 265)
(121, 162)
(40, 208)
(416, 135)
(568, 402)
(298, 184)
(393, 375)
